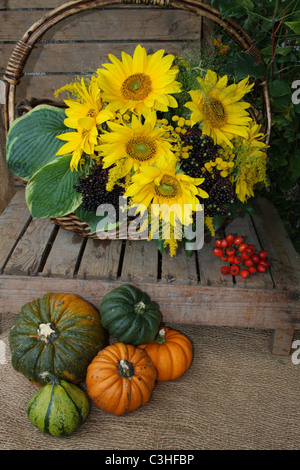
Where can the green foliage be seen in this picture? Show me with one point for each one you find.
(31, 141)
(274, 26)
(50, 191)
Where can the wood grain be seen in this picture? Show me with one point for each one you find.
(12, 223)
(140, 262)
(114, 24)
(200, 305)
(100, 259)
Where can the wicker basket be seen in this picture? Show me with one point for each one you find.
(23, 48)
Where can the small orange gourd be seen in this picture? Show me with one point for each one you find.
(120, 378)
(171, 353)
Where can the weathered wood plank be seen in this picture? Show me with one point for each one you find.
(63, 257)
(82, 58)
(140, 262)
(243, 226)
(285, 262)
(119, 24)
(26, 257)
(12, 222)
(281, 341)
(100, 259)
(200, 305)
(179, 269)
(209, 266)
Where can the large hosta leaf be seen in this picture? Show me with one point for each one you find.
(50, 192)
(32, 142)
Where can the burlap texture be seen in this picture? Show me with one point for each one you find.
(236, 395)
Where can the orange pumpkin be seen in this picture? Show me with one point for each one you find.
(171, 353)
(120, 378)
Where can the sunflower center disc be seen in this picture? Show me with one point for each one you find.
(215, 113)
(136, 87)
(169, 187)
(141, 148)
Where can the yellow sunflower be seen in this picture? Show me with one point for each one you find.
(164, 189)
(135, 144)
(84, 116)
(219, 108)
(140, 82)
(251, 161)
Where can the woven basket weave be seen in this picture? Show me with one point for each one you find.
(23, 48)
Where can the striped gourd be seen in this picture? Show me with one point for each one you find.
(58, 408)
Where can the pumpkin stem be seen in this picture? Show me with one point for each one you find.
(125, 369)
(52, 378)
(140, 307)
(161, 336)
(47, 332)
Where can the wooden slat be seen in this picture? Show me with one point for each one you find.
(285, 262)
(281, 341)
(179, 269)
(201, 305)
(63, 257)
(140, 262)
(26, 257)
(82, 58)
(100, 259)
(209, 266)
(12, 222)
(118, 24)
(243, 226)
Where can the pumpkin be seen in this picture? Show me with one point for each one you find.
(120, 378)
(58, 408)
(171, 354)
(58, 333)
(129, 315)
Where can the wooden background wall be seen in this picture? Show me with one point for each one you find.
(79, 44)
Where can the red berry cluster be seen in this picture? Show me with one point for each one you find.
(237, 253)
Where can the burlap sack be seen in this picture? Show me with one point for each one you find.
(236, 395)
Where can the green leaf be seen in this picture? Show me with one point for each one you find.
(90, 218)
(50, 192)
(233, 8)
(294, 25)
(245, 65)
(279, 88)
(32, 142)
(217, 221)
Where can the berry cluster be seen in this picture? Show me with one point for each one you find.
(238, 253)
(92, 186)
(203, 158)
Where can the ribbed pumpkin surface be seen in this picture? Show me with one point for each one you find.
(171, 353)
(120, 378)
(129, 315)
(58, 333)
(58, 409)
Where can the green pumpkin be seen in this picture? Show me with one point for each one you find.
(58, 408)
(58, 333)
(129, 315)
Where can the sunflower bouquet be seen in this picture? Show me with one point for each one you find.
(137, 137)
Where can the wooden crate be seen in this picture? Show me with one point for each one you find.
(37, 257)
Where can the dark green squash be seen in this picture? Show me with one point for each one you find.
(58, 408)
(129, 315)
(58, 333)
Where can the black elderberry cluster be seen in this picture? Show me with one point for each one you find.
(220, 190)
(92, 186)
(221, 195)
(203, 151)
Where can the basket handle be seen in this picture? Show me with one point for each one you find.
(22, 50)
